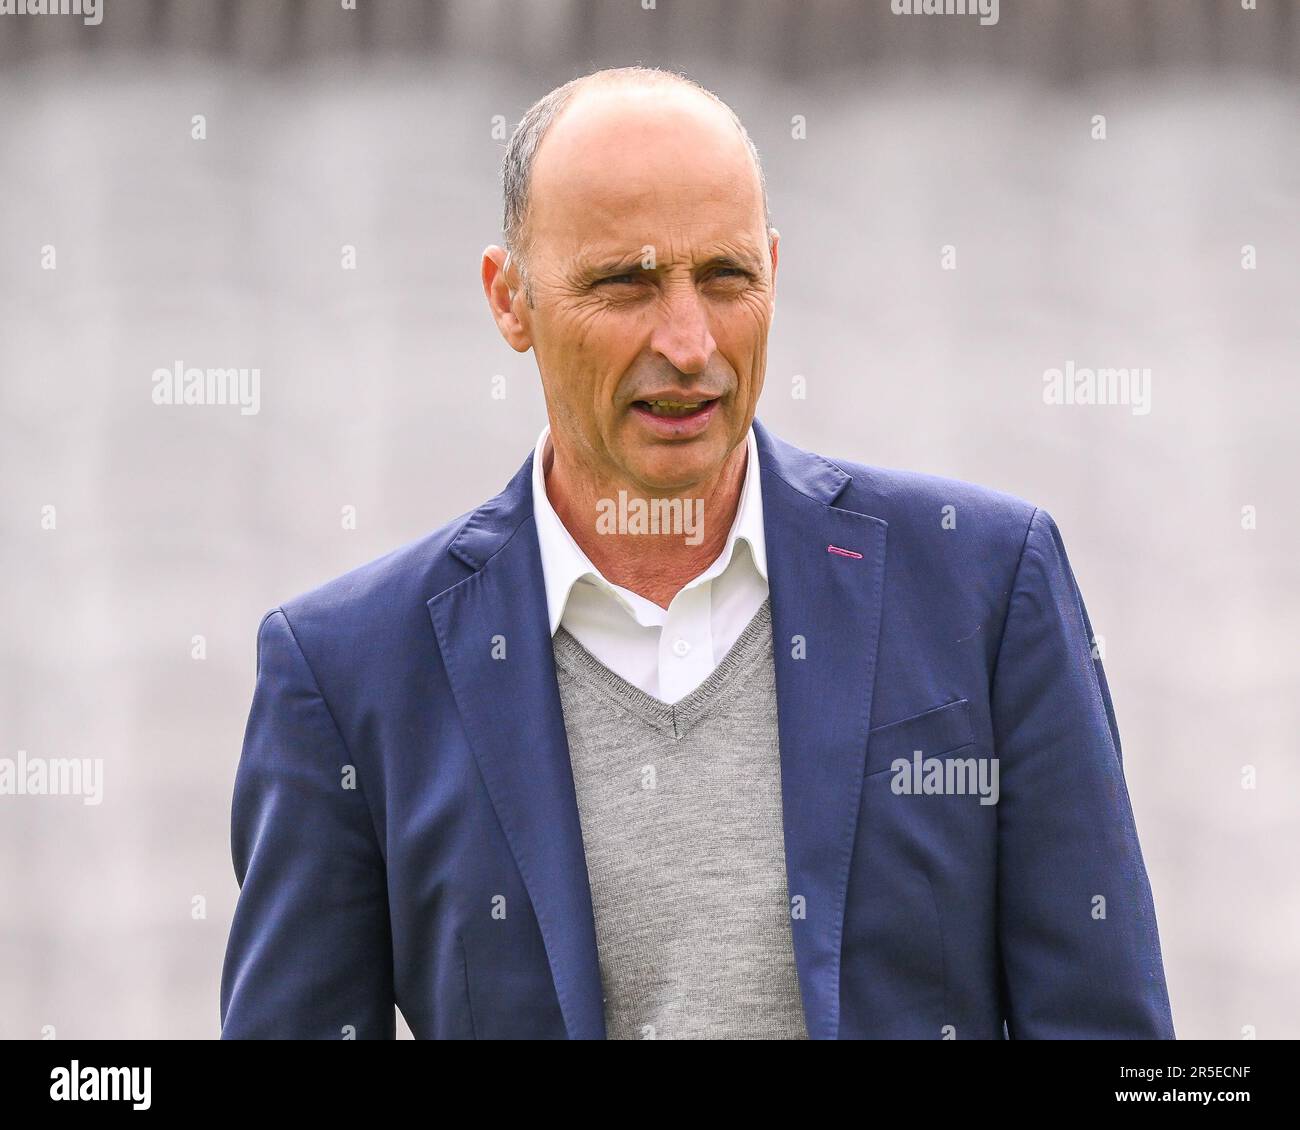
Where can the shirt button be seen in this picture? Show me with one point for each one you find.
(681, 648)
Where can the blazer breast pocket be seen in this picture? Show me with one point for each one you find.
(936, 732)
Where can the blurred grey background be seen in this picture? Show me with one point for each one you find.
(383, 128)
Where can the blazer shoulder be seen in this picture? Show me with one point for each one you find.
(372, 593)
(914, 500)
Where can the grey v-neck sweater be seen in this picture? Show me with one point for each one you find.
(680, 806)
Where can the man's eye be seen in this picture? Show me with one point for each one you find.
(616, 279)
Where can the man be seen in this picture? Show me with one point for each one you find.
(687, 732)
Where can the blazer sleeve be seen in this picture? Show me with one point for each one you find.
(310, 950)
(1079, 950)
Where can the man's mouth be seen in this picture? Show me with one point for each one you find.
(674, 409)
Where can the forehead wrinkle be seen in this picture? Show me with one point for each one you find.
(678, 242)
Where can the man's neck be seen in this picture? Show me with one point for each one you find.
(653, 565)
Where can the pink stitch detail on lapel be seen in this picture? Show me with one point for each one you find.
(843, 552)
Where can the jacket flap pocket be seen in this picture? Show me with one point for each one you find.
(934, 733)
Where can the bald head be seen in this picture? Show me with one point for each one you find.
(658, 113)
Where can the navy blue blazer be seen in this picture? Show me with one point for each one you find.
(405, 829)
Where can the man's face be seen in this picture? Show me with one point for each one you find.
(652, 278)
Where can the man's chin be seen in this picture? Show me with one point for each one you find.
(673, 469)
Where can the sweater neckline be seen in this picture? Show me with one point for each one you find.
(675, 718)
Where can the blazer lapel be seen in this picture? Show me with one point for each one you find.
(494, 633)
(826, 612)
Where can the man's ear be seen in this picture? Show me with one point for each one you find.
(501, 286)
(775, 247)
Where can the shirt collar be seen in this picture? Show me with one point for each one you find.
(564, 563)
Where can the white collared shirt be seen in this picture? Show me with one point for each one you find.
(667, 652)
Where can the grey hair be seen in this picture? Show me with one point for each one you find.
(521, 152)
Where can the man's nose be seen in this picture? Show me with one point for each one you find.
(682, 334)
